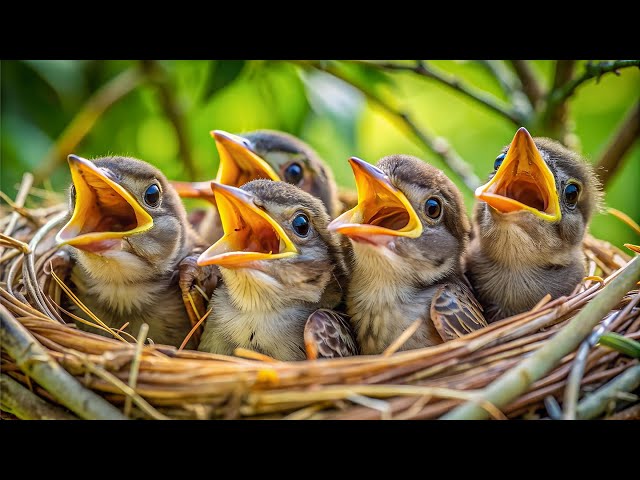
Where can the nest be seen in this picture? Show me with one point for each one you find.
(55, 370)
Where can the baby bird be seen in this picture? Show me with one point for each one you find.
(279, 264)
(529, 224)
(267, 154)
(127, 233)
(408, 231)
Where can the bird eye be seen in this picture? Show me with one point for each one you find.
(498, 161)
(293, 173)
(152, 195)
(433, 208)
(300, 225)
(571, 194)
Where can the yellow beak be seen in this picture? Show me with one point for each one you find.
(194, 190)
(238, 164)
(103, 209)
(250, 234)
(382, 209)
(523, 182)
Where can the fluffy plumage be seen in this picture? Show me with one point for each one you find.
(394, 279)
(136, 280)
(515, 259)
(264, 305)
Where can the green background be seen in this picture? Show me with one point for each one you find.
(40, 98)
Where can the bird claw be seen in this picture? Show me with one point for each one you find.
(192, 276)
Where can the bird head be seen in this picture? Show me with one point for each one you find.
(271, 155)
(275, 234)
(542, 193)
(409, 212)
(122, 209)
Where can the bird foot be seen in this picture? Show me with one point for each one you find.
(194, 281)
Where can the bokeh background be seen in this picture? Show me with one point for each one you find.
(162, 112)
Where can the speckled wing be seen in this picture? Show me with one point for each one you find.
(455, 311)
(328, 335)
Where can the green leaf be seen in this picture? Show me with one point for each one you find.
(221, 74)
(621, 343)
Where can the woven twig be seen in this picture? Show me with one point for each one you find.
(423, 383)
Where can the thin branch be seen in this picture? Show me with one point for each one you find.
(530, 84)
(516, 381)
(437, 145)
(23, 191)
(619, 144)
(135, 365)
(503, 76)
(597, 402)
(85, 119)
(34, 361)
(156, 73)
(26, 405)
(591, 70)
(572, 390)
(631, 413)
(556, 114)
(420, 68)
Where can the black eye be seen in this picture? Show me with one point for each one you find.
(293, 173)
(571, 193)
(498, 161)
(433, 208)
(152, 195)
(300, 225)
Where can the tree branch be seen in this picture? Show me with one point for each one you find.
(516, 381)
(619, 144)
(556, 114)
(591, 70)
(34, 361)
(438, 146)
(85, 119)
(503, 76)
(596, 403)
(27, 405)
(530, 84)
(159, 78)
(420, 68)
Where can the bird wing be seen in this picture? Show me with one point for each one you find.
(455, 311)
(327, 335)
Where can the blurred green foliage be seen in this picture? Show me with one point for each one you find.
(40, 98)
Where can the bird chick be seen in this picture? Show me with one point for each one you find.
(266, 154)
(528, 225)
(279, 264)
(408, 231)
(127, 233)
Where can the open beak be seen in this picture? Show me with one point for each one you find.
(104, 211)
(382, 209)
(200, 190)
(238, 163)
(523, 182)
(250, 234)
